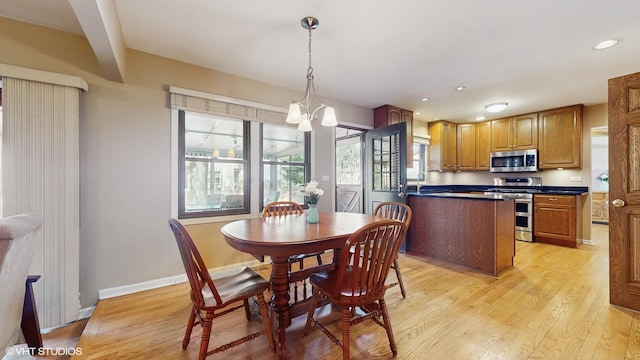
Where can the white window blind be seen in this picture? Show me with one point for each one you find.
(190, 100)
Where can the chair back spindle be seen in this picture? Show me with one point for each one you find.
(281, 208)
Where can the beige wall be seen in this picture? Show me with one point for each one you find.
(125, 154)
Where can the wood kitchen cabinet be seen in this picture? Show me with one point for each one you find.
(515, 133)
(557, 219)
(476, 233)
(388, 115)
(442, 149)
(600, 207)
(483, 145)
(473, 146)
(466, 146)
(560, 137)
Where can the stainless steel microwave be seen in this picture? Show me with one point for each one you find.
(514, 161)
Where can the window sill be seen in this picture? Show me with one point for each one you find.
(217, 219)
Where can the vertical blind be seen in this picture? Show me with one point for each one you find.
(40, 174)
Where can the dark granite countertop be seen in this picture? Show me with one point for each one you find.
(465, 190)
(467, 195)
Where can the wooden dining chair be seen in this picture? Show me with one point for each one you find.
(211, 300)
(282, 208)
(397, 211)
(360, 281)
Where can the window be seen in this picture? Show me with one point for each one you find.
(231, 156)
(418, 171)
(386, 162)
(215, 167)
(285, 163)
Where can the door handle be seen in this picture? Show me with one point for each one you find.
(618, 203)
(402, 193)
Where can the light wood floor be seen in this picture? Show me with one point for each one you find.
(553, 305)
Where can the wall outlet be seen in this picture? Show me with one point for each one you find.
(576, 178)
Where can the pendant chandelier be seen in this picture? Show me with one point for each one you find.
(301, 112)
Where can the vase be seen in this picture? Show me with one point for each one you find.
(312, 214)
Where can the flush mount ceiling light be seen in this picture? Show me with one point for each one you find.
(301, 112)
(424, 99)
(606, 44)
(496, 107)
(460, 88)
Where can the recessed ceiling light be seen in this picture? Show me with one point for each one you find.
(496, 107)
(418, 113)
(436, 118)
(606, 44)
(424, 99)
(459, 88)
(480, 118)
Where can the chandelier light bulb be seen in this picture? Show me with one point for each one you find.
(305, 125)
(329, 118)
(294, 116)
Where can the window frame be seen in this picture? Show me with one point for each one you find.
(182, 158)
(306, 163)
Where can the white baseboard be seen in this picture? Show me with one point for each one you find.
(85, 313)
(587, 242)
(170, 280)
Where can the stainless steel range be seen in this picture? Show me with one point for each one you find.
(524, 187)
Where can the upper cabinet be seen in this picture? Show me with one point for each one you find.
(442, 149)
(483, 145)
(466, 146)
(561, 138)
(473, 146)
(389, 115)
(515, 133)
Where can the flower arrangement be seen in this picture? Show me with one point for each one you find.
(603, 176)
(312, 193)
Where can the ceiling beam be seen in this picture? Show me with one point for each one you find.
(101, 25)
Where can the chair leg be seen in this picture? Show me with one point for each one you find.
(387, 326)
(206, 334)
(319, 257)
(262, 305)
(312, 308)
(187, 334)
(346, 339)
(247, 310)
(399, 276)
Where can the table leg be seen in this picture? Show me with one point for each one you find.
(280, 301)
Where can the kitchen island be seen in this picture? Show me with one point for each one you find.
(475, 230)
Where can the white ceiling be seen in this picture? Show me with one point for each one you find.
(535, 55)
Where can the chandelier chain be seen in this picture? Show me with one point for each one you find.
(310, 69)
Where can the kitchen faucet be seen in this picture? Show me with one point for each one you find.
(418, 180)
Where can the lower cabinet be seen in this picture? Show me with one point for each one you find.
(476, 233)
(557, 219)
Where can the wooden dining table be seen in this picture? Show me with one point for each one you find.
(280, 237)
